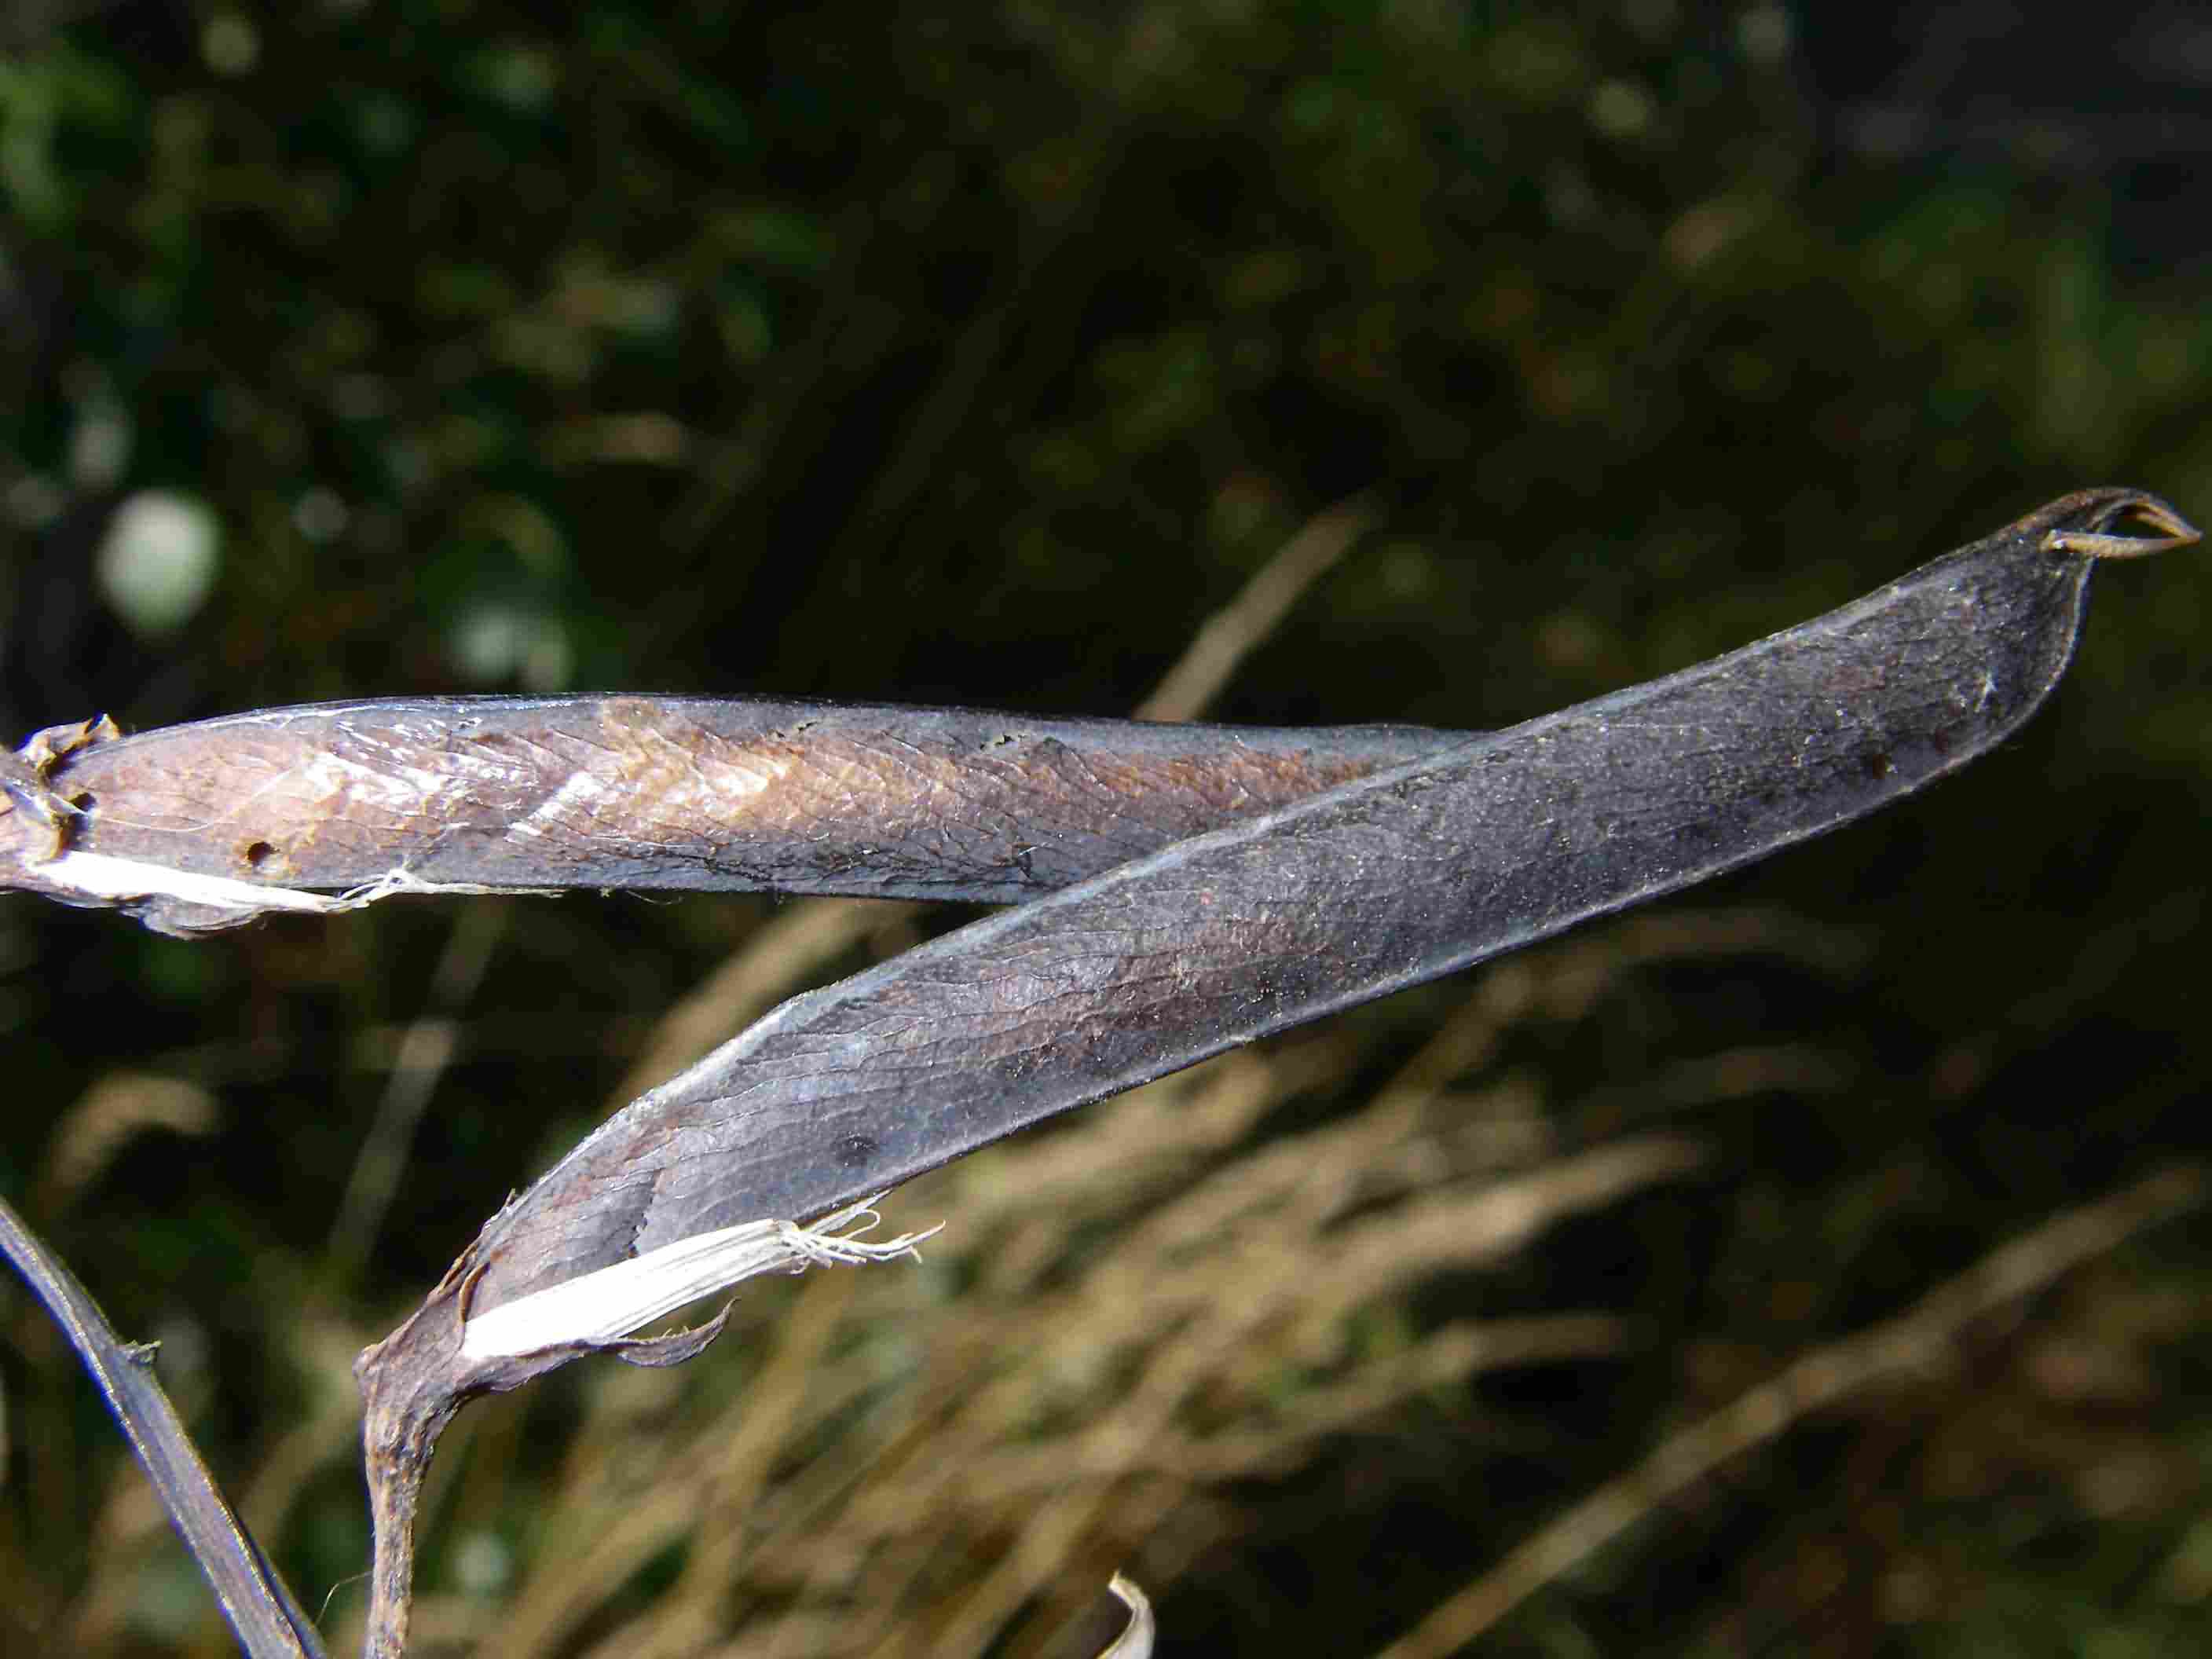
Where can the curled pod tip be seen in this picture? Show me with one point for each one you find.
(2111, 524)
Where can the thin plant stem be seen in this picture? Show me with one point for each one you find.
(255, 1600)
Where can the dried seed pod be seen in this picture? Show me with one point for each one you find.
(325, 807)
(1478, 847)
(1378, 884)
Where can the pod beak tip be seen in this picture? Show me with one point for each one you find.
(2152, 527)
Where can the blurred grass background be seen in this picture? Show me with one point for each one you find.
(1774, 1272)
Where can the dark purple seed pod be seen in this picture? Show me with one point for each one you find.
(1481, 846)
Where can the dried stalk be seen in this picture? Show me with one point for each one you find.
(255, 1600)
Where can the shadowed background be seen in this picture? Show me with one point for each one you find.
(984, 354)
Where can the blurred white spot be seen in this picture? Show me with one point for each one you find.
(1620, 109)
(229, 44)
(183, 1351)
(496, 642)
(521, 77)
(100, 444)
(488, 642)
(483, 1563)
(158, 560)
